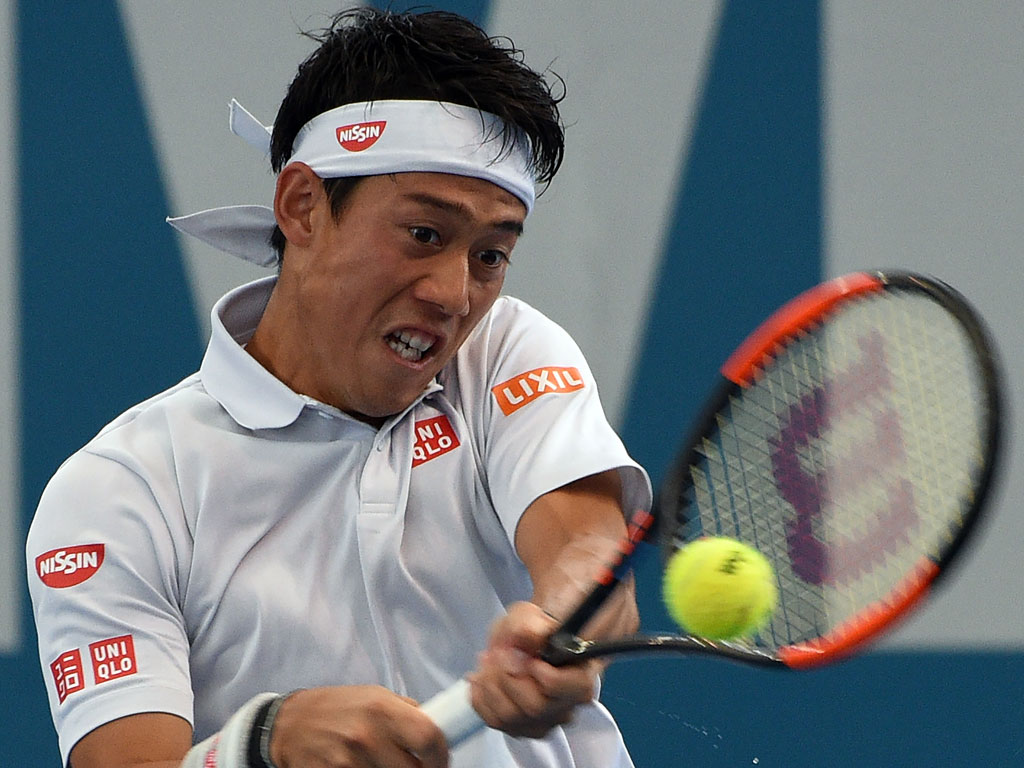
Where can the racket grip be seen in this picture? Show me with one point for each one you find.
(453, 713)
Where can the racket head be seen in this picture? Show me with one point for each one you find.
(853, 440)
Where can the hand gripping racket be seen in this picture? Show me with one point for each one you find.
(853, 441)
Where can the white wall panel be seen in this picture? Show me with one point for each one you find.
(192, 58)
(633, 73)
(925, 159)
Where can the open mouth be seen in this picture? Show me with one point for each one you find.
(410, 345)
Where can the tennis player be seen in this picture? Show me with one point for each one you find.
(381, 469)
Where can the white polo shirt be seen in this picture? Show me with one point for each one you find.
(230, 536)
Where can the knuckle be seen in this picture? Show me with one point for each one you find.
(535, 708)
(360, 735)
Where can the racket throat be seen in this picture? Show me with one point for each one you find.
(565, 648)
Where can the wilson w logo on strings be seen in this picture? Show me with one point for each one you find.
(879, 447)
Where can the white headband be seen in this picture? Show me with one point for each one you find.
(369, 139)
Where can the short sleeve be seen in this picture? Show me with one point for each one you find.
(104, 578)
(544, 425)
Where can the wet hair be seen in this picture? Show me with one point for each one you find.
(367, 54)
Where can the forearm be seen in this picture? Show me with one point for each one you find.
(564, 538)
(330, 726)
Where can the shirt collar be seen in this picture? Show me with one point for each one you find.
(247, 390)
(253, 396)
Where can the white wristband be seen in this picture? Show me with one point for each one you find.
(229, 747)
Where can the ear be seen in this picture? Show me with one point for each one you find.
(297, 194)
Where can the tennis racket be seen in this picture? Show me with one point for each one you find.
(853, 441)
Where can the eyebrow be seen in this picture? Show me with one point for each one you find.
(515, 226)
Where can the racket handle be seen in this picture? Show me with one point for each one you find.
(453, 713)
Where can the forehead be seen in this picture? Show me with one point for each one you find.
(464, 196)
(417, 182)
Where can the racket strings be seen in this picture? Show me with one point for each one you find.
(849, 459)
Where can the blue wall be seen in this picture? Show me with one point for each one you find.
(106, 313)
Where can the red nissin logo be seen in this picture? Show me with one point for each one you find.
(523, 389)
(433, 437)
(360, 136)
(68, 566)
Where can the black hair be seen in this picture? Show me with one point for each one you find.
(367, 54)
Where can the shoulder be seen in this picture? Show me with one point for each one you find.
(124, 456)
(511, 314)
(120, 490)
(512, 338)
(150, 425)
(516, 355)
(513, 329)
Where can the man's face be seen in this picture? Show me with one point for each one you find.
(385, 294)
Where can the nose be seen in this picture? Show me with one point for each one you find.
(446, 283)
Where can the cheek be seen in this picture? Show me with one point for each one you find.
(483, 293)
(480, 304)
(354, 287)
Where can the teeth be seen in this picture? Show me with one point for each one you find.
(405, 352)
(415, 341)
(410, 346)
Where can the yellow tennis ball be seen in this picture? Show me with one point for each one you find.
(719, 588)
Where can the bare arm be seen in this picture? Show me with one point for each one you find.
(336, 727)
(562, 538)
(148, 740)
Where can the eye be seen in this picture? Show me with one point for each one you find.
(425, 235)
(493, 258)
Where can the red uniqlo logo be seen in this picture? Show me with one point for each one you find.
(523, 389)
(113, 658)
(67, 674)
(360, 136)
(433, 437)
